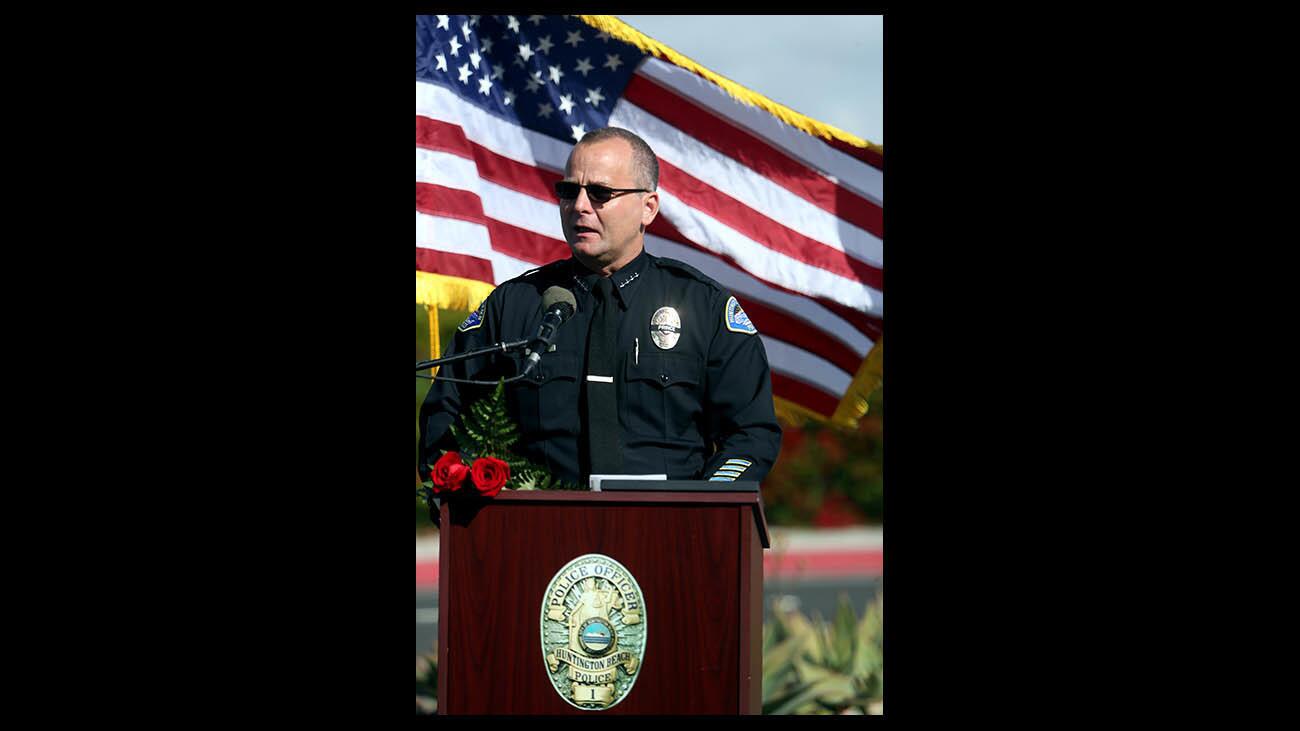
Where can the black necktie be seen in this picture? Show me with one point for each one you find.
(603, 440)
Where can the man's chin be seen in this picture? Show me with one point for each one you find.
(589, 249)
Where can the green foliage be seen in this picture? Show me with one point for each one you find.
(487, 430)
(819, 667)
(426, 684)
(829, 477)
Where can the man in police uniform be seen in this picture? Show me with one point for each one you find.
(659, 371)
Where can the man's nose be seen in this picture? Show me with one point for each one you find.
(582, 202)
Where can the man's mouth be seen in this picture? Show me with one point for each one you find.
(580, 230)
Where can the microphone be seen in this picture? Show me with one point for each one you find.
(559, 305)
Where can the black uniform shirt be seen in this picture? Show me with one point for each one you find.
(697, 406)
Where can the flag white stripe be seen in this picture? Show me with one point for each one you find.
(742, 283)
(499, 203)
(455, 236)
(812, 369)
(864, 179)
(747, 186)
(752, 256)
(502, 137)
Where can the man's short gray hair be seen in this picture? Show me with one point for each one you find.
(643, 158)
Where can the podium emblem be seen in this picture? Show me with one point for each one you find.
(593, 632)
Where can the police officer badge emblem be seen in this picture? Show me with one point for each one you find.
(593, 632)
(665, 327)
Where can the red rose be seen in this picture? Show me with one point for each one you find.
(490, 474)
(449, 473)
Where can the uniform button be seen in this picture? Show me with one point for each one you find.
(663, 377)
(537, 376)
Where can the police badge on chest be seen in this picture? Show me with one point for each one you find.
(665, 328)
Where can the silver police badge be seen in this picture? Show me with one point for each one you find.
(665, 327)
(593, 632)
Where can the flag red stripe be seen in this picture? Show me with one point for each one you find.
(705, 198)
(755, 153)
(807, 396)
(432, 134)
(506, 238)
(453, 265)
(439, 200)
(869, 325)
(796, 332)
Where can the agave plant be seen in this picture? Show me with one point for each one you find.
(819, 667)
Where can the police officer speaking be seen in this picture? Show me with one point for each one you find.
(659, 370)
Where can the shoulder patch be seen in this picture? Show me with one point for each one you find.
(736, 319)
(475, 318)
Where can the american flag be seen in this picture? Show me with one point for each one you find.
(790, 223)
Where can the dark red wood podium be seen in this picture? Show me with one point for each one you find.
(696, 556)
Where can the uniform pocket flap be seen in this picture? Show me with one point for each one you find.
(553, 367)
(664, 369)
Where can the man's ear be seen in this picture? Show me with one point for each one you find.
(649, 209)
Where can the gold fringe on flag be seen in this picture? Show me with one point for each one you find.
(450, 293)
(853, 406)
(439, 291)
(626, 33)
(435, 347)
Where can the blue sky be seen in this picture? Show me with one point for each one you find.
(828, 67)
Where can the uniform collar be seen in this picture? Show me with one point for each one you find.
(625, 279)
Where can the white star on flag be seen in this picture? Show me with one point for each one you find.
(444, 22)
(487, 44)
(510, 97)
(566, 104)
(578, 131)
(536, 20)
(603, 36)
(544, 110)
(535, 81)
(556, 73)
(484, 84)
(514, 24)
(544, 44)
(594, 97)
(584, 65)
(498, 70)
(442, 62)
(473, 20)
(525, 52)
(475, 59)
(575, 37)
(612, 61)
(455, 46)
(465, 73)
(464, 28)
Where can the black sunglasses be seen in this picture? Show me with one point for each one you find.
(597, 193)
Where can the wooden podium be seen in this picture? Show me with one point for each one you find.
(696, 555)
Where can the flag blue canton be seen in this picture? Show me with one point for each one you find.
(552, 74)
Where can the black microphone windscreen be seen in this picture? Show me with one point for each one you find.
(554, 295)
